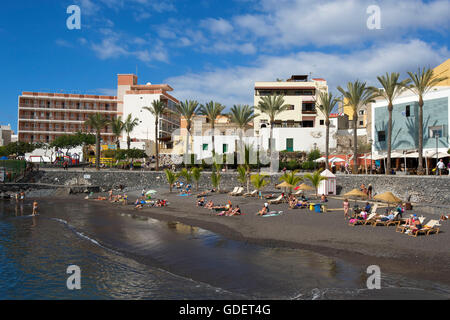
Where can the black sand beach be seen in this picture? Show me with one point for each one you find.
(424, 257)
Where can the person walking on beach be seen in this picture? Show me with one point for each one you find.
(346, 208)
(370, 191)
(35, 208)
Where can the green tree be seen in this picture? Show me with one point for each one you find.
(315, 179)
(272, 106)
(117, 126)
(196, 175)
(291, 178)
(212, 110)
(422, 82)
(171, 178)
(129, 126)
(259, 181)
(326, 105)
(97, 122)
(241, 116)
(358, 94)
(187, 175)
(392, 87)
(188, 110)
(157, 109)
(215, 180)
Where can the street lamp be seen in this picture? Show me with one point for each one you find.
(371, 147)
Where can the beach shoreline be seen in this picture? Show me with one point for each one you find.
(424, 257)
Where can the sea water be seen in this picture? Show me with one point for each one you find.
(124, 256)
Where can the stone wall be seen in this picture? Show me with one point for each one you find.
(422, 189)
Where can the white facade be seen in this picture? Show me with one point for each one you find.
(133, 104)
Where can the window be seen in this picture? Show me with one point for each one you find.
(322, 122)
(290, 107)
(381, 136)
(361, 123)
(361, 112)
(224, 148)
(408, 111)
(205, 147)
(437, 131)
(290, 144)
(307, 124)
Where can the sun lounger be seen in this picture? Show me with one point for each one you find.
(356, 222)
(277, 200)
(401, 227)
(251, 194)
(298, 193)
(431, 226)
(379, 222)
(239, 192)
(234, 190)
(374, 208)
(371, 218)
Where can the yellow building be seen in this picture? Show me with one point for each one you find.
(362, 114)
(443, 70)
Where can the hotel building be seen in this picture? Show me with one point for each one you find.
(42, 117)
(302, 126)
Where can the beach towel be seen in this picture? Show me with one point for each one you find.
(183, 195)
(273, 214)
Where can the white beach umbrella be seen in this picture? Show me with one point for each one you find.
(151, 192)
(321, 159)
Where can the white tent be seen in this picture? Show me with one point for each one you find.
(321, 159)
(328, 186)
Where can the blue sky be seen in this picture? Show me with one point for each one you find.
(209, 49)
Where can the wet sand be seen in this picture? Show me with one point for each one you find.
(424, 257)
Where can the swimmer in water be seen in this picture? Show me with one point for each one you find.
(35, 208)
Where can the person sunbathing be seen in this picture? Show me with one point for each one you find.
(235, 212)
(323, 198)
(203, 194)
(362, 215)
(293, 203)
(269, 196)
(389, 217)
(445, 217)
(201, 202)
(209, 205)
(264, 210)
(101, 198)
(226, 212)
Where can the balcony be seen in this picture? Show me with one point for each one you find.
(309, 111)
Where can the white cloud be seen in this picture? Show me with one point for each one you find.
(235, 85)
(217, 26)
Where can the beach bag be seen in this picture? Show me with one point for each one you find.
(352, 220)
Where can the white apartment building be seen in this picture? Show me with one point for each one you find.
(302, 126)
(131, 98)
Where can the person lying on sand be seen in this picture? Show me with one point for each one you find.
(235, 212)
(209, 205)
(204, 193)
(445, 217)
(101, 198)
(201, 202)
(264, 210)
(293, 203)
(226, 212)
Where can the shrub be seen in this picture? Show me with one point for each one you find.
(308, 165)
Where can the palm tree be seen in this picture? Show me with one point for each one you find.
(241, 116)
(117, 126)
(422, 82)
(171, 178)
(157, 109)
(259, 181)
(315, 179)
(291, 178)
(358, 95)
(215, 180)
(242, 175)
(271, 106)
(392, 88)
(196, 175)
(97, 122)
(187, 175)
(326, 106)
(129, 126)
(212, 110)
(188, 111)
